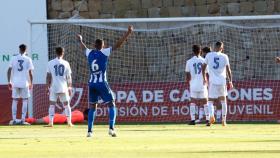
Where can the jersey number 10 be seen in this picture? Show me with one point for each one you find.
(59, 70)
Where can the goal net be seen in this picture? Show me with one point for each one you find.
(147, 74)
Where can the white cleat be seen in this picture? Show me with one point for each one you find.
(49, 125)
(70, 125)
(89, 134)
(12, 122)
(24, 123)
(112, 133)
(224, 123)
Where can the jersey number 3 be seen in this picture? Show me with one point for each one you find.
(94, 66)
(20, 64)
(59, 70)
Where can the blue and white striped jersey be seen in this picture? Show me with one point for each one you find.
(98, 60)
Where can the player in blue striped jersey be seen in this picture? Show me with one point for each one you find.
(98, 85)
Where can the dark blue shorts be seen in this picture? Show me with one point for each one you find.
(101, 90)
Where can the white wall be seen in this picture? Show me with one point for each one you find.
(15, 30)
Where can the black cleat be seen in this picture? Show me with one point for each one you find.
(208, 123)
(192, 122)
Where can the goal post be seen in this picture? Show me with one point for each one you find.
(147, 73)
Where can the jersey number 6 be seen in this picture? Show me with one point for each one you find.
(94, 66)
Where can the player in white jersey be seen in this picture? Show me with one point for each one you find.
(59, 84)
(198, 90)
(218, 69)
(20, 81)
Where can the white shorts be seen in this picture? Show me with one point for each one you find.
(20, 93)
(216, 91)
(63, 97)
(199, 94)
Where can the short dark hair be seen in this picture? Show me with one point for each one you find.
(59, 51)
(22, 47)
(98, 44)
(196, 49)
(218, 44)
(206, 50)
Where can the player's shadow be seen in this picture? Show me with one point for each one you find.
(151, 130)
(233, 151)
(13, 138)
(260, 141)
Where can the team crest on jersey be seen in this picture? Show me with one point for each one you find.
(75, 98)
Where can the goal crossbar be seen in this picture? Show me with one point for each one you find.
(174, 19)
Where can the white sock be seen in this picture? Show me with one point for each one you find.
(206, 111)
(201, 113)
(68, 113)
(219, 114)
(51, 114)
(24, 109)
(192, 111)
(14, 109)
(224, 110)
(211, 108)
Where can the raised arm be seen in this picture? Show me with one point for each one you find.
(9, 78)
(124, 38)
(82, 44)
(229, 76)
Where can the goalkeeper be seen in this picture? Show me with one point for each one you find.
(98, 85)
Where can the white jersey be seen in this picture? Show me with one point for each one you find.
(59, 70)
(217, 63)
(20, 64)
(194, 67)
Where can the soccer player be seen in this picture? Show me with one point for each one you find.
(59, 84)
(205, 51)
(218, 106)
(218, 69)
(198, 90)
(20, 80)
(201, 110)
(98, 85)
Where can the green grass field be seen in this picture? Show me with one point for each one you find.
(142, 141)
